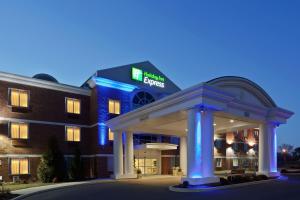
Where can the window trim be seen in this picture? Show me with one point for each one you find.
(9, 98)
(66, 106)
(19, 158)
(114, 100)
(66, 133)
(9, 130)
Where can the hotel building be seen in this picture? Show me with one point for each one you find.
(133, 117)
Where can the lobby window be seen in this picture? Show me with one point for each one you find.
(19, 98)
(72, 134)
(73, 106)
(114, 106)
(19, 166)
(256, 133)
(219, 162)
(110, 135)
(235, 162)
(19, 130)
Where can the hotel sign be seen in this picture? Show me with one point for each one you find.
(147, 77)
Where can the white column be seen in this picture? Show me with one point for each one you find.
(267, 158)
(118, 155)
(200, 147)
(129, 154)
(183, 154)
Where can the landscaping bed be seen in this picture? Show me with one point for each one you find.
(5, 196)
(229, 180)
(290, 171)
(19, 186)
(5, 193)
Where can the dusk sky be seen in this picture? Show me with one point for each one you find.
(189, 41)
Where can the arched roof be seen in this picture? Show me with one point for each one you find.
(244, 84)
(45, 77)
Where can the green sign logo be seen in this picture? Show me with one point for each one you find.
(147, 77)
(136, 74)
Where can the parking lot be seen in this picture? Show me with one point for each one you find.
(157, 188)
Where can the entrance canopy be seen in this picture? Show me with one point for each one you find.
(230, 97)
(195, 114)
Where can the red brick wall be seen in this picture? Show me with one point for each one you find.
(45, 105)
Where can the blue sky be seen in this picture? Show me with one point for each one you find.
(190, 41)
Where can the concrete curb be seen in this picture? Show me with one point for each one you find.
(291, 173)
(24, 196)
(175, 189)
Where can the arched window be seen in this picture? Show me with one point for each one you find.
(141, 99)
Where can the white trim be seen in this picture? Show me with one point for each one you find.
(23, 80)
(44, 122)
(199, 95)
(40, 155)
(20, 155)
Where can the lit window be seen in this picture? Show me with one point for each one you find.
(19, 98)
(73, 106)
(19, 130)
(235, 162)
(19, 166)
(73, 134)
(114, 106)
(219, 162)
(110, 135)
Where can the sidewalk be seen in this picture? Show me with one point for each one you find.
(32, 190)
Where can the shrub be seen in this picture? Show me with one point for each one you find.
(249, 177)
(75, 168)
(224, 181)
(185, 184)
(139, 171)
(262, 177)
(283, 171)
(52, 164)
(236, 179)
(45, 172)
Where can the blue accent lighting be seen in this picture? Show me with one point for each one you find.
(102, 133)
(198, 157)
(114, 84)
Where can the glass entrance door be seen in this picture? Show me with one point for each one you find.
(148, 166)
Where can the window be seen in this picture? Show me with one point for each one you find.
(219, 162)
(19, 166)
(256, 132)
(73, 106)
(235, 162)
(142, 98)
(19, 131)
(73, 134)
(114, 106)
(110, 135)
(19, 98)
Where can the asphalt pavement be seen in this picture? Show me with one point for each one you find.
(157, 188)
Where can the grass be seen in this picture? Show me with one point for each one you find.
(19, 186)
